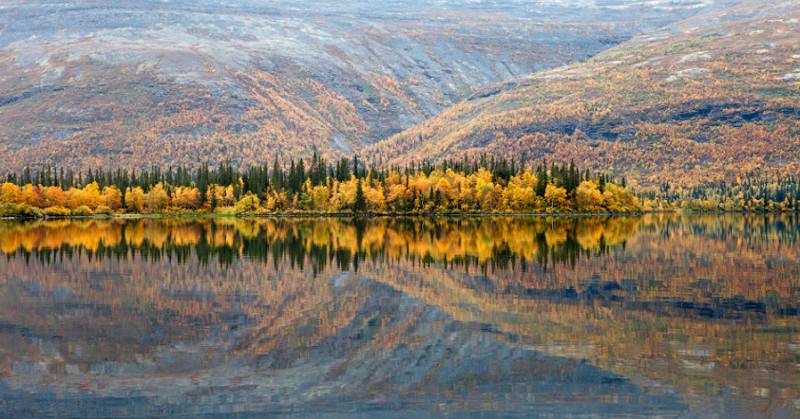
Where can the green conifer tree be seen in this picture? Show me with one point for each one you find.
(360, 204)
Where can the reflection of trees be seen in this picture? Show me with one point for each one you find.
(161, 281)
(691, 299)
(121, 309)
(634, 294)
(482, 242)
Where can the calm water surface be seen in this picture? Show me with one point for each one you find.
(627, 316)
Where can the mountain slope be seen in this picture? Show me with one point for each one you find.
(86, 83)
(708, 98)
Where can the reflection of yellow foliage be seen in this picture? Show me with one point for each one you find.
(440, 239)
(10, 244)
(186, 235)
(589, 235)
(303, 309)
(555, 236)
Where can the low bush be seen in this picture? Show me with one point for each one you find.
(57, 212)
(82, 210)
(20, 210)
(104, 210)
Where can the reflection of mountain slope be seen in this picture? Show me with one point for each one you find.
(142, 283)
(285, 295)
(711, 323)
(439, 365)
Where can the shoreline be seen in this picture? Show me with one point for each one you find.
(339, 215)
(385, 215)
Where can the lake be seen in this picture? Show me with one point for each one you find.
(663, 314)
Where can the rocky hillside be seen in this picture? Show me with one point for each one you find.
(709, 98)
(89, 83)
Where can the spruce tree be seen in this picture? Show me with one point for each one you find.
(360, 204)
(277, 176)
(541, 180)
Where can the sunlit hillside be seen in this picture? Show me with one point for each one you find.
(709, 98)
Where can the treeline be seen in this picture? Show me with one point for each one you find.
(485, 184)
(751, 192)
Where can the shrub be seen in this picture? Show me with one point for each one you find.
(248, 203)
(102, 209)
(82, 210)
(20, 210)
(225, 210)
(57, 211)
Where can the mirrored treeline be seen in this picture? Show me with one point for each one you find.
(660, 314)
(478, 243)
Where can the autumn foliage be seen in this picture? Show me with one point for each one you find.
(451, 187)
(700, 103)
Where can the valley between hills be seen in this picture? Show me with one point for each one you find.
(682, 94)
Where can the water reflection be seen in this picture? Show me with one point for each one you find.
(488, 243)
(660, 314)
